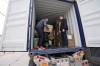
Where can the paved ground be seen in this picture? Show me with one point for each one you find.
(14, 59)
(21, 59)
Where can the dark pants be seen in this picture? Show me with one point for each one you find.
(46, 35)
(64, 39)
(41, 36)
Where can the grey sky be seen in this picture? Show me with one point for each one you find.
(3, 11)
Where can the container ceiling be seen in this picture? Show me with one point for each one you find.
(51, 8)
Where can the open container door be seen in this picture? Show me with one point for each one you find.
(16, 35)
(90, 15)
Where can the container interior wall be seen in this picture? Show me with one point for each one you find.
(73, 31)
(73, 27)
(33, 22)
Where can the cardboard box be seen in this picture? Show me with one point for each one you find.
(48, 28)
(71, 41)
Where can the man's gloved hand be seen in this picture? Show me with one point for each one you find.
(63, 30)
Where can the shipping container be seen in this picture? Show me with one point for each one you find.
(21, 19)
(22, 15)
(82, 17)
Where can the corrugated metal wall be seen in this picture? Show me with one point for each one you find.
(90, 14)
(15, 32)
(51, 8)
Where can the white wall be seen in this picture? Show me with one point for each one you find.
(90, 15)
(73, 26)
(3, 11)
(0, 41)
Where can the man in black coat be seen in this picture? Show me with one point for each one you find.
(63, 31)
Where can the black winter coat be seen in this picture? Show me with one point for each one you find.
(63, 25)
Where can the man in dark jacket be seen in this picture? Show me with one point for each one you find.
(63, 31)
(40, 30)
